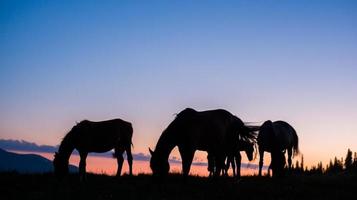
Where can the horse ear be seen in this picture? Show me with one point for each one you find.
(151, 152)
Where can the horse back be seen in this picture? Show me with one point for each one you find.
(285, 134)
(265, 138)
(204, 130)
(104, 135)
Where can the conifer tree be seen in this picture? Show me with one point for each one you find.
(348, 160)
(319, 167)
(297, 166)
(302, 163)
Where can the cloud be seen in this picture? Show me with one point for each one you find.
(22, 145)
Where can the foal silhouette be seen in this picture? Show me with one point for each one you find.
(98, 137)
(246, 146)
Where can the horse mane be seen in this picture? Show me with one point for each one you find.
(68, 139)
(250, 135)
(166, 141)
(180, 119)
(186, 111)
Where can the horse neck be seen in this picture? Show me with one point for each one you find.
(165, 145)
(67, 145)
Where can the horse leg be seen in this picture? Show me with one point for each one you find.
(238, 163)
(219, 161)
(230, 161)
(278, 163)
(290, 153)
(233, 166)
(82, 166)
(210, 167)
(187, 157)
(270, 168)
(129, 158)
(118, 151)
(261, 157)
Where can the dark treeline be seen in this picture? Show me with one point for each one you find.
(335, 166)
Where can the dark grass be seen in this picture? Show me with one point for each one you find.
(45, 186)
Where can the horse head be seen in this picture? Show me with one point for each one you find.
(159, 165)
(60, 165)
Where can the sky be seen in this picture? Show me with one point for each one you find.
(143, 61)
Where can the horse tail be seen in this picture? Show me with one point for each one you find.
(296, 145)
(130, 142)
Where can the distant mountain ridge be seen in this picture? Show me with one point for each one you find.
(26, 163)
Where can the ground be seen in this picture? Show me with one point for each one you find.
(45, 186)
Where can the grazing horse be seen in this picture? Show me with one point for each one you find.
(213, 131)
(243, 145)
(88, 136)
(277, 137)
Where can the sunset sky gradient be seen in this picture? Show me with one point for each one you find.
(144, 61)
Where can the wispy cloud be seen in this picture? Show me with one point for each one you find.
(22, 145)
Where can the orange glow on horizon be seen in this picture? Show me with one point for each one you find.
(104, 165)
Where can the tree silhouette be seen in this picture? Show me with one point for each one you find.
(354, 163)
(319, 168)
(335, 166)
(302, 163)
(297, 166)
(348, 160)
(329, 166)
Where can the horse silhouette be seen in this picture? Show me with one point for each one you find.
(88, 136)
(246, 146)
(214, 131)
(277, 137)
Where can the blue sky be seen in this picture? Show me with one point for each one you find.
(143, 61)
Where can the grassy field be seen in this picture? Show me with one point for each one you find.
(45, 186)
